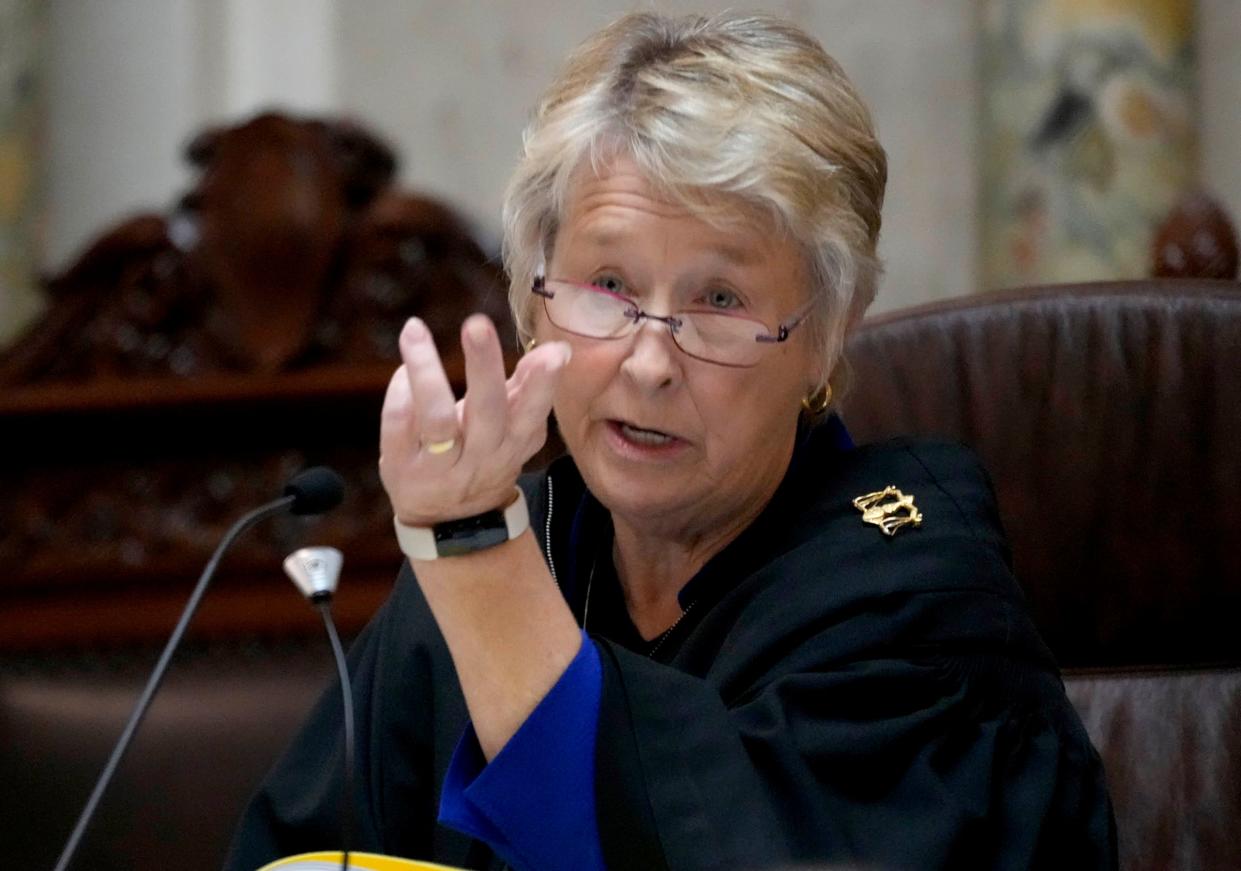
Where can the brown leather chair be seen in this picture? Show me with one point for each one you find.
(1109, 417)
(221, 718)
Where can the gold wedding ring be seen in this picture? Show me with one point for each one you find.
(441, 447)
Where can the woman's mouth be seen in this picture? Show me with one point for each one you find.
(645, 436)
(643, 440)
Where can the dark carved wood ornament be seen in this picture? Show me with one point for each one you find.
(190, 362)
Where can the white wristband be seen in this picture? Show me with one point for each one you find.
(466, 535)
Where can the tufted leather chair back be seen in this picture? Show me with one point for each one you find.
(1109, 417)
(221, 718)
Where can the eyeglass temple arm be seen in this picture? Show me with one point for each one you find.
(782, 331)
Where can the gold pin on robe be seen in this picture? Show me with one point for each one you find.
(889, 509)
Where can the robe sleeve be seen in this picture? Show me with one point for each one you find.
(944, 762)
(534, 804)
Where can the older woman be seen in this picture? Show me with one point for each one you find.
(684, 645)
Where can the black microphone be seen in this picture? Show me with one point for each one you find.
(313, 491)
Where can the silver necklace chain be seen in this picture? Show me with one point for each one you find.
(663, 636)
(547, 530)
(659, 642)
(590, 581)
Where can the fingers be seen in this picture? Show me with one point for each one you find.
(429, 390)
(398, 436)
(485, 411)
(536, 380)
(396, 420)
(440, 458)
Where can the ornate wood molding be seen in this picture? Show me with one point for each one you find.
(190, 363)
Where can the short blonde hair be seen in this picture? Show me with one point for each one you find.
(724, 114)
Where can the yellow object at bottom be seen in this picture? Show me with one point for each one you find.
(330, 861)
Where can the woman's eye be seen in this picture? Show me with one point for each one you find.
(722, 299)
(611, 284)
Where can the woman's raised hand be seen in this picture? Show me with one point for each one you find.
(441, 459)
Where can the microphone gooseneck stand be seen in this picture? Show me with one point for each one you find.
(346, 693)
(311, 492)
(315, 571)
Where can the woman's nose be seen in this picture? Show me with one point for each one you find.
(653, 359)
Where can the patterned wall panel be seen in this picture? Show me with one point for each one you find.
(21, 39)
(1089, 135)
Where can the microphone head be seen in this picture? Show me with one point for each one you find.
(314, 570)
(315, 490)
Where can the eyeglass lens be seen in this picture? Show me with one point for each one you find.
(598, 314)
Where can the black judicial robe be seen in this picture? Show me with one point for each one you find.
(831, 695)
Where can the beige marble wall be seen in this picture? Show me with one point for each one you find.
(451, 85)
(21, 104)
(1219, 93)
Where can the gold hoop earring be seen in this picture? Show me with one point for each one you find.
(818, 401)
(530, 344)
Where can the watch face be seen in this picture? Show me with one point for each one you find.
(469, 534)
